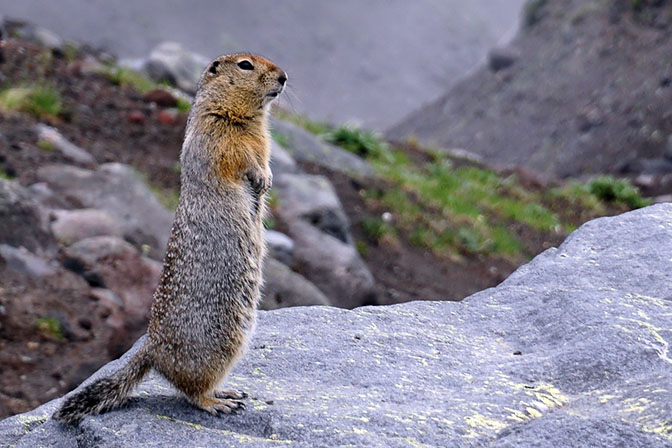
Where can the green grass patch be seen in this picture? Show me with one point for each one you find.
(595, 194)
(361, 142)
(41, 100)
(376, 229)
(46, 145)
(183, 105)
(125, 77)
(447, 209)
(611, 189)
(50, 328)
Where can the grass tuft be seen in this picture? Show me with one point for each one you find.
(125, 77)
(361, 142)
(49, 328)
(42, 100)
(610, 189)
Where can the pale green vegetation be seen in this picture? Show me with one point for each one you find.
(50, 328)
(125, 77)
(454, 208)
(40, 100)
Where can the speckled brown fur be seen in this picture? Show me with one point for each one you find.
(205, 305)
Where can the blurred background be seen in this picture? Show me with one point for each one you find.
(424, 151)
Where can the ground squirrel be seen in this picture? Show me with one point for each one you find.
(205, 305)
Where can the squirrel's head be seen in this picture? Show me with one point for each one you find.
(240, 86)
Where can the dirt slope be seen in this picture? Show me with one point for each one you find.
(589, 93)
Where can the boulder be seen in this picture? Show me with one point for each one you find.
(70, 226)
(22, 221)
(171, 62)
(24, 262)
(284, 288)
(311, 199)
(572, 350)
(280, 246)
(323, 249)
(117, 190)
(40, 36)
(112, 263)
(306, 147)
(281, 161)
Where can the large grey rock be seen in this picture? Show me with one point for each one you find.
(70, 226)
(306, 147)
(23, 261)
(40, 36)
(313, 199)
(573, 350)
(281, 161)
(171, 62)
(123, 279)
(279, 246)
(284, 288)
(23, 222)
(323, 249)
(117, 190)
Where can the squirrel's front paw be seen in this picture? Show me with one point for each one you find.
(259, 181)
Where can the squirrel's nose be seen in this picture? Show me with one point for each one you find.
(282, 79)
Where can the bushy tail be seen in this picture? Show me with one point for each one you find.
(106, 393)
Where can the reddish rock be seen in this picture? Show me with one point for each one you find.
(161, 98)
(136, 116)
(168, 116)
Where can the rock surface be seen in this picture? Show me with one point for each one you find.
(117, 190)
(284, 288)
(22, 221)
(171, 62)
(70, 226)
(323, 249)
(571, 350)
(305, 147)
(62, 145)
(554, 109)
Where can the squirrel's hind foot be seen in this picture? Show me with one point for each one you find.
(216, 406)
(232, 394)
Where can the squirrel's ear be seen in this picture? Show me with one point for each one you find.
(213, 67)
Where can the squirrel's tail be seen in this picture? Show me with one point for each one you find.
(106, 393)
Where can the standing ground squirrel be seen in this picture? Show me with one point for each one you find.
(205, 305)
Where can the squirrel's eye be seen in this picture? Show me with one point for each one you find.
(246, 65)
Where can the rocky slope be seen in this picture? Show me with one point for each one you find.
(373, 61)
(89, 173)
(571, 350)
(585, 87)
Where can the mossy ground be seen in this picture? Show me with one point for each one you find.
(455, 207)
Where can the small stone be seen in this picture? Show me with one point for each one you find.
(168, 116)
(161, 98)
(62, 145)
(136, 116)
(501, 57)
